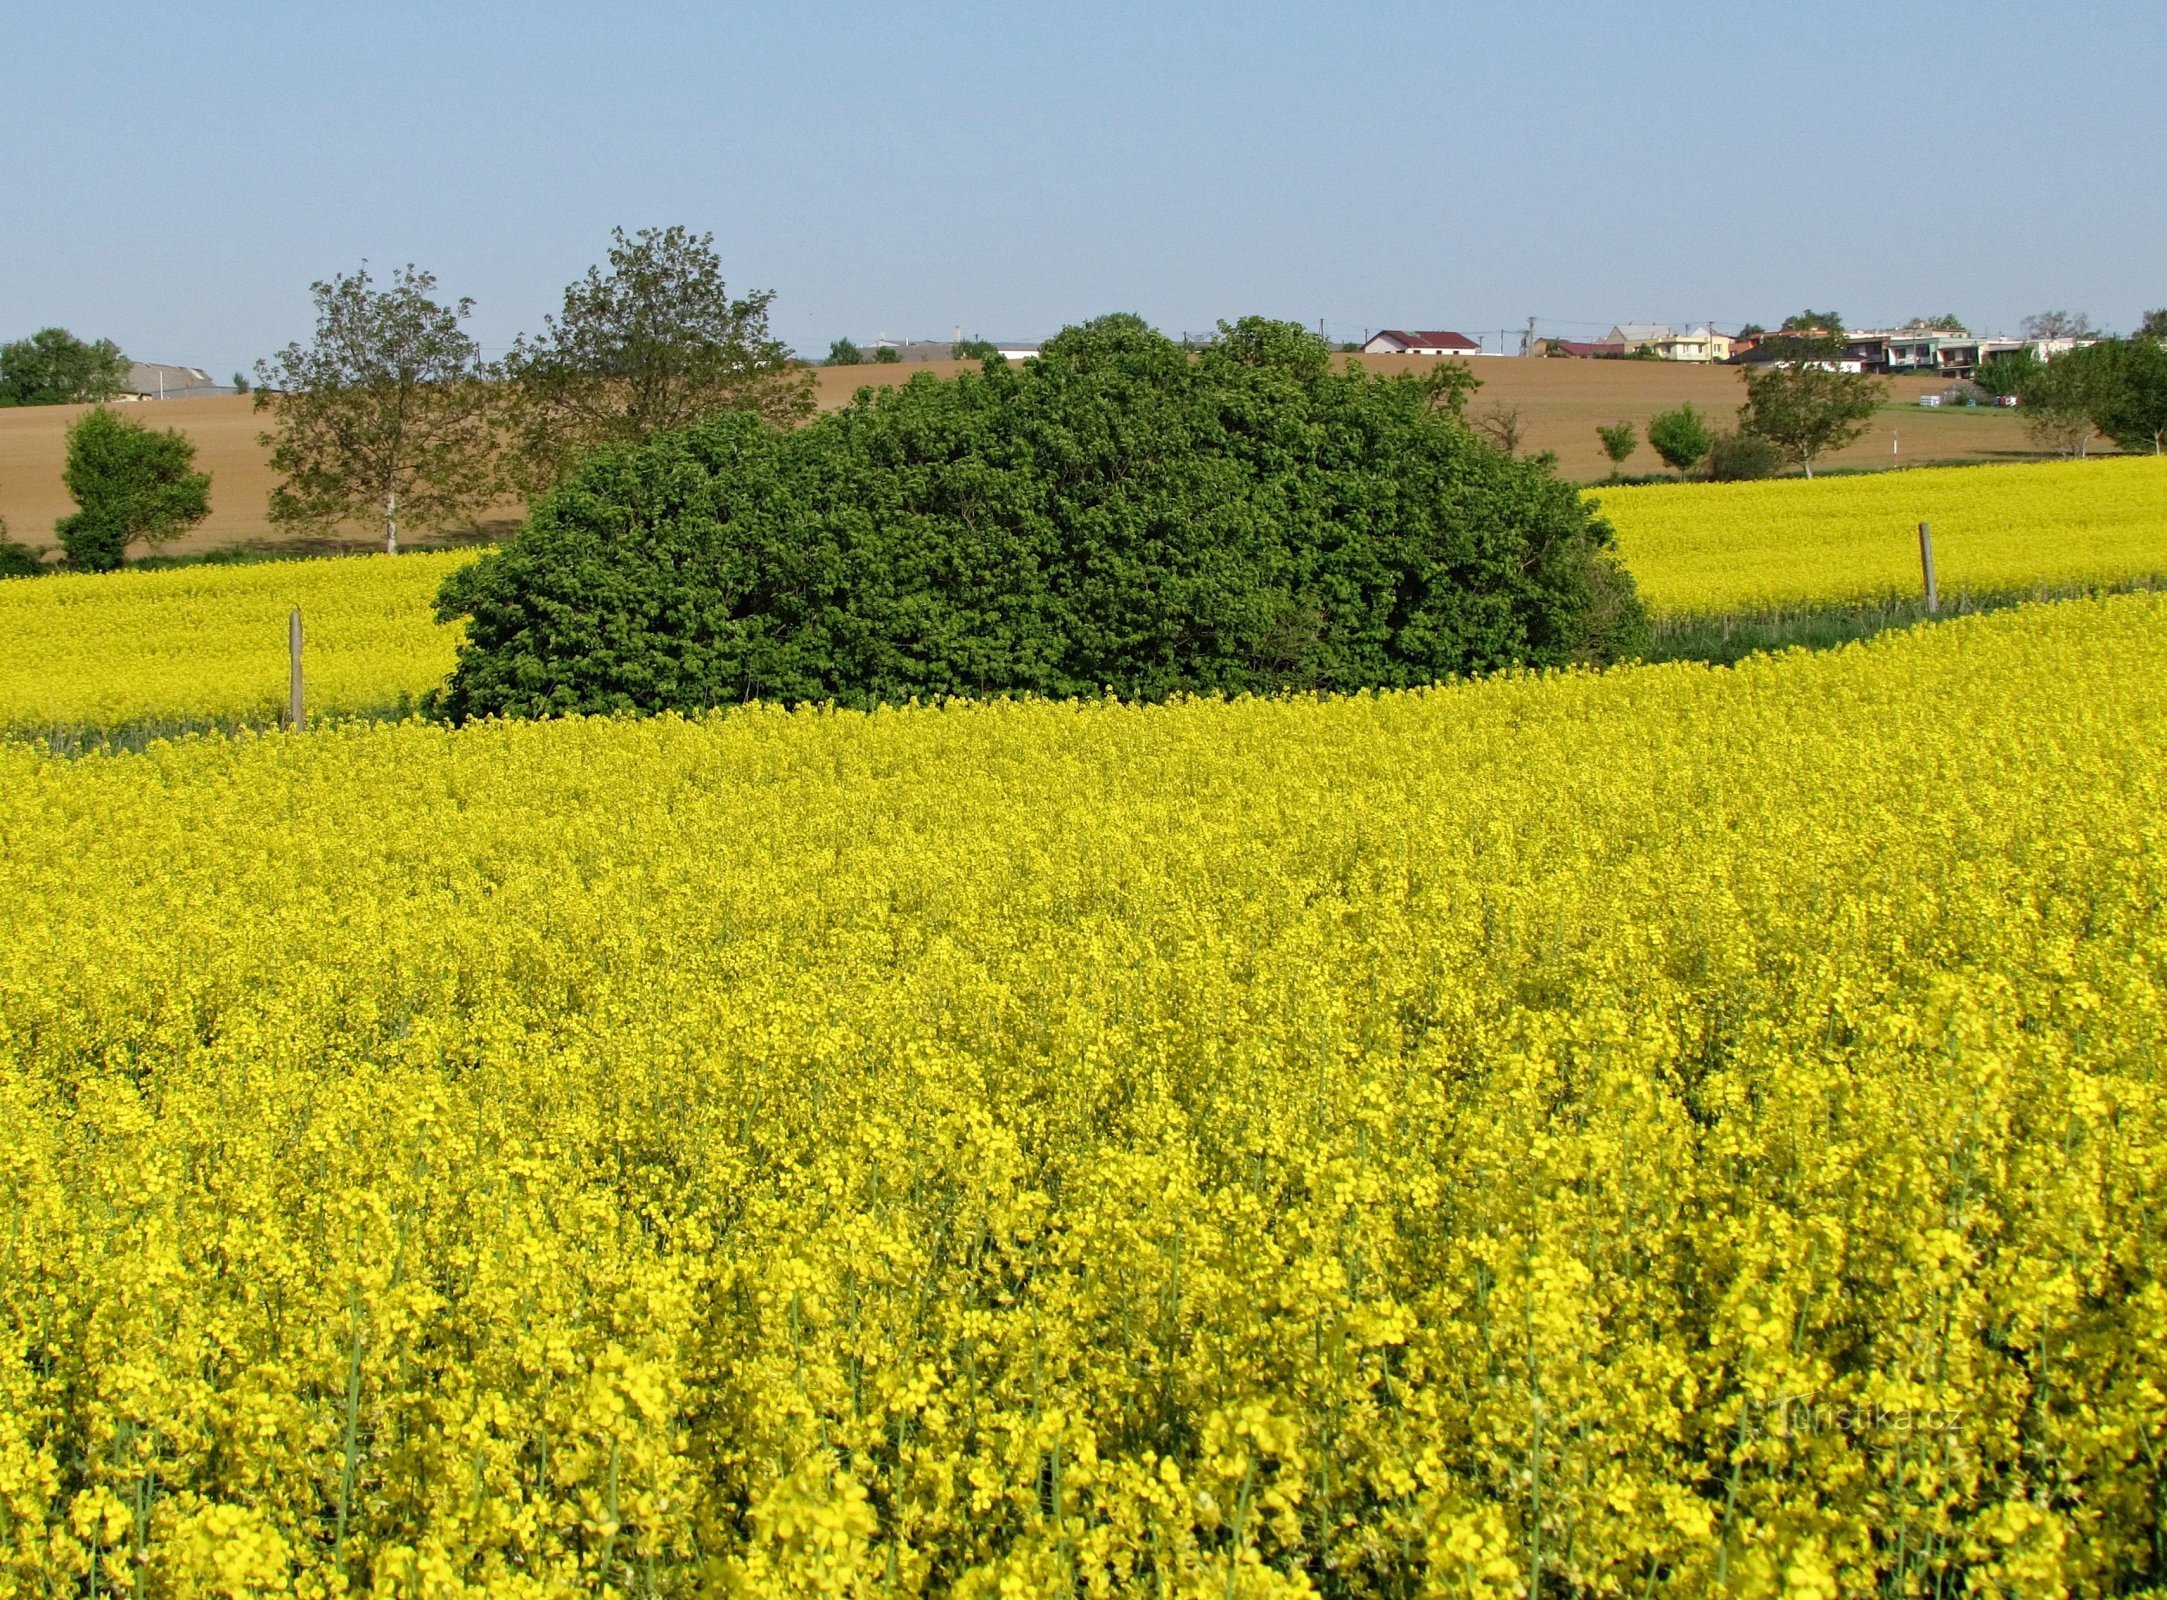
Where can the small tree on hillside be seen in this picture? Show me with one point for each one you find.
(652, 346)
(54, 368)
(973, 350)
(844, 353)
(1806, 409)
(886, 355)
(388, 411)
(2154, 326)
(1681, 437)
(131, 484)
(1619, 440)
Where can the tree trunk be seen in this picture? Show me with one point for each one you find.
(391, 522)
(1807, 463)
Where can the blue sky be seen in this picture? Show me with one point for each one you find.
(178, 174)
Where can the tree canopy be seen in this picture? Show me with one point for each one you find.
(1807, 408)
(1115, 515)
(54, 368)
(654, 344)
(2122, 383)
(1681, 437)
(132, 484)
(387, 413)
(845, 353)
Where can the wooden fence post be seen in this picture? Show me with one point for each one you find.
(1926, 565)
(293, 669)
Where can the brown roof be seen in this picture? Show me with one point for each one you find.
(1436, 338)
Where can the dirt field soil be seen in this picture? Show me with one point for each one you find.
(1561, 404)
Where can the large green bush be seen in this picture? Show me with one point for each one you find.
(1114, 515)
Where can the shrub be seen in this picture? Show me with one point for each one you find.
(1115, 515)
(845, 353)
(1737, 457)
(130, 483)
(1681, 437)
(18, 560)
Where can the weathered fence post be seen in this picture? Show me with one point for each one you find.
(1926, 564)
(293, 669)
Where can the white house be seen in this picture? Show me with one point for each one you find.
(1422, 342)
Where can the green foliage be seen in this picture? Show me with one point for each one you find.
(974, 350)
(844, 353)
(386, 413)
(240, 383)
(1115, 515)
(1742, 457)
(1807, 410)
(1752, 330)
(1947, 322)
(1681, 437)
(1820, 322)
(2154, 326)
(653, 346)
(2064, 399)
(1619, 440)
(54, 368)
(2008, 373)
(887, 355)
(131, 484)
(2130, 405)
(18, 560)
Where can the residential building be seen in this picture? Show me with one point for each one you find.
(1422, 342)
(1672, 344)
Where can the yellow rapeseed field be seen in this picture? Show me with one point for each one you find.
(207, 644)
(1741, 547)
(1676, 1131)
(202, 646)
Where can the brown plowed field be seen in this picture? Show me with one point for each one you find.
(1561, 403)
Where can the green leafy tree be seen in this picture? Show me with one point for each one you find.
(388, 412)
(843, 353)
(240, 383)
(1681, 437)
(2131, 405)
(974, 350)
(2154, 326)
(1619, 440)
(654, 344)
(1752, 330)
(1820, 322)
(2009, 373)
(886, 355)
(54, 368)
(2063, 399)
(132, 484)
(1118, 513)
(1806, 409)
(1947, 322)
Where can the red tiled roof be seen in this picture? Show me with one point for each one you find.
(1429, 338)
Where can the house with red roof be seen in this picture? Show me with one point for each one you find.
(1422, 342)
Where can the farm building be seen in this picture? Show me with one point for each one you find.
(1422, 342)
